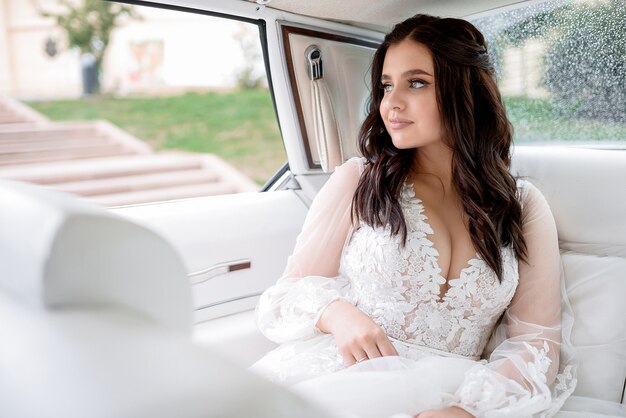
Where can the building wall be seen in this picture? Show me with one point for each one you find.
(30, 72)
(164, 51)
(5, 70)
(523, 70)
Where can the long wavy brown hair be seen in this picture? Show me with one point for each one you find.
(475, 128)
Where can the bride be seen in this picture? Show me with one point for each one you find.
(417, 254)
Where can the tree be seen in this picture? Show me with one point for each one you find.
(585, 61)
(249, 76)
(88, 25)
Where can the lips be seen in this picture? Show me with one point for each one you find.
(399, 123)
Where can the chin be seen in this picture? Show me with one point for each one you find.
(404, 144)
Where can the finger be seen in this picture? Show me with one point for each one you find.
(360, 355)
(348, 358)
(372, 350)
(386, 348)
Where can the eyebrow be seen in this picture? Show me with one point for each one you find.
(407, 74)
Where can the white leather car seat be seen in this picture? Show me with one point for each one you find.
(586, 191)
(95, 321)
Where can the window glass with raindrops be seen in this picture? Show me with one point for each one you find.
(561, 68)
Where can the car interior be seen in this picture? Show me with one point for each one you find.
(148, 310)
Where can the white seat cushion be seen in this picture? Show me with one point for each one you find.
(586, 190)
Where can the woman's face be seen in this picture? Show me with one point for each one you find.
(409, 105)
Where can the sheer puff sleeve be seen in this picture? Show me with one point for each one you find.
(290, 309)
(531, 370)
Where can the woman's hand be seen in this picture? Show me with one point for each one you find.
(357, 336)
(451, 412)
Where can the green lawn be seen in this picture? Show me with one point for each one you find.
(538, 120)
(239, 126)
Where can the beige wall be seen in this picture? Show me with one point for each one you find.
(171, 51)
(5, 70)
(165, 51)
(523, 69)
(29, 72)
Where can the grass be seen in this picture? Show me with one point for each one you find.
(539, 120)
(238, 126)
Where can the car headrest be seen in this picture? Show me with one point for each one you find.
(585, 191)
(58, 252)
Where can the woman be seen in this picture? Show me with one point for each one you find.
(410, 256)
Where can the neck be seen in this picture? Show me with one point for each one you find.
(435, 161)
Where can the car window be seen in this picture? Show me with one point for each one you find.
(561, 68)
(183, 97)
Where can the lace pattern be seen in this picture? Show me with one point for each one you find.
(399, 287)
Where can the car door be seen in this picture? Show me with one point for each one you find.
(235, 246)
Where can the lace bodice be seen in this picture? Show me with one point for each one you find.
(398, 287)
(529, 371)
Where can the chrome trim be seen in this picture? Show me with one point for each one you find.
(218, 270)
(285, 182)
(221, 302)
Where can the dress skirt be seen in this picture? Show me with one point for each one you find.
(400, 386)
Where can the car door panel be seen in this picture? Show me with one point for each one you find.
(259, 228)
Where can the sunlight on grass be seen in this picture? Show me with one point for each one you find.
(239, 126)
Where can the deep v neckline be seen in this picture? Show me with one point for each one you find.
(469, 264)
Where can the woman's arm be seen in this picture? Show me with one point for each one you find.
(291, 308)
(311, 297)
(520, 377)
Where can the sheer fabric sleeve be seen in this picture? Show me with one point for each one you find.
(531, 371)
(290, 309)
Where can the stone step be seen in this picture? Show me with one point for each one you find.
(102, 163)
(8, 139)
(128, 184)
(54, 131)
(109, 167)
(40, 131)
(9, 117)
(63, 154)
(158, 195)
(37, 145)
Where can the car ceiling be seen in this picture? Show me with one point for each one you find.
(381, 15)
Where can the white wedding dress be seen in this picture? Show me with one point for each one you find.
(440, 341)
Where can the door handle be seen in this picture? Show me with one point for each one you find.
(207, 274)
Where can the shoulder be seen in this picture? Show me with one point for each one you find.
(342, 183)
(354, 166)
(347, 175)
(532, 200)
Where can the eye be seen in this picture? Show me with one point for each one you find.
(416, 84)
(386, 87)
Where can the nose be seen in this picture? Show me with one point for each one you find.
(393, 100)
